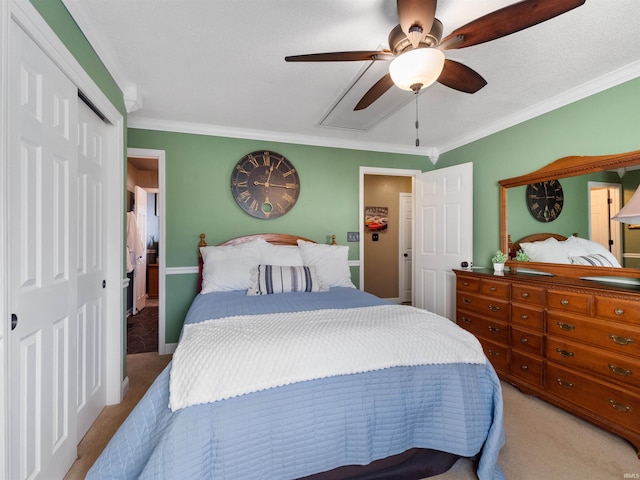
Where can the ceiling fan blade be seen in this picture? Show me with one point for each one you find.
(342, 56)
(418, 13)
(375, 92)
(510, 19)
(460, 77)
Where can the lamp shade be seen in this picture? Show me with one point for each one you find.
(420, 66)
(630, 213)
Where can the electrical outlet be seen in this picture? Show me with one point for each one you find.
(353, 236)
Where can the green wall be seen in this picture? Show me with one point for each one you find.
(198, 198)
(604, 123)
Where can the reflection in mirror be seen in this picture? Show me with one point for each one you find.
(578, 214)
(578, 175)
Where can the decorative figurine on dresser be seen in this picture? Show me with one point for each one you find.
(563, 331)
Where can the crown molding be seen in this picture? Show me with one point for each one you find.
(220, 131)
(609, 80)
(79, 14)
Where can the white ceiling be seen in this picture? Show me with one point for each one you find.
(217, 67)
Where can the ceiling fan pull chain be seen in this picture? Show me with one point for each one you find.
(417, 121)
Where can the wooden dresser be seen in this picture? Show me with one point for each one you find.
(571, 342)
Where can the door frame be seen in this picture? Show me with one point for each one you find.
(391, 172)
(614, 226)
(160, 156)
(28, 18)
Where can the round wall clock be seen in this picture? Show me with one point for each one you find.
(545, 200)
(265, 184)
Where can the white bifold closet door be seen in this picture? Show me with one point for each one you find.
(56, 204)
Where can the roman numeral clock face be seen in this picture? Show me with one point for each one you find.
(265, 184)
(545, 200)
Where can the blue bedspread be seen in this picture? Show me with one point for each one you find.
(309, 427)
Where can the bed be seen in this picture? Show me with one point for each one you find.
(557, 248)
(329, 416)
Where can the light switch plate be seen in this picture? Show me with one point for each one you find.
(353, 236)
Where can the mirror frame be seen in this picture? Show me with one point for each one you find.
(563, 168)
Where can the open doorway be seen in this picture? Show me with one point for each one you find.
(143, 247)
(385, 251)
(604, 203)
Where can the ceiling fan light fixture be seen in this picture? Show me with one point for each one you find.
(420, 66)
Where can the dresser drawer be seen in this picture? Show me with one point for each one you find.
(483, 327)
(468, 284)
(569, 301)
(526, 367)
(620, 406)
(527, 294)
(495, 288)
(486, 306)
(618, 309)
(609, 365)
(529, 317)
(497, 354)
(619, 338)
(526, 341)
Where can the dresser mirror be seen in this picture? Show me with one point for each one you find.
(573, 172)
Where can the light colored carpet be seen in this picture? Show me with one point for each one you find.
(543, 442)
(142, 370)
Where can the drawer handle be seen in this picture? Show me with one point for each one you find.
(493, 329)
(466, 320)
(494, 308)
(564, 301)
(524, 316)
(624, 372)
(621, 407)
(564, 383)
(619, 311)
(566, 326)
(524, 340)
(524, 367)
(466, 284)
(524, 294)
(467, 301)
(620, 340)
(493, 353)
(492, 289)
(564, 353)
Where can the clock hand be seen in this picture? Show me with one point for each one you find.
(267, 184)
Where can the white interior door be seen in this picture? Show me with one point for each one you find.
(443, 235)
(604, 202)
(140, 270)
(405, 270)
(43, 246)
(91, 303)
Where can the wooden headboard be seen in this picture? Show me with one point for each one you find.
(536, 237)
(273, 238)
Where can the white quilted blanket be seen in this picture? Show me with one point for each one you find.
(232, 356)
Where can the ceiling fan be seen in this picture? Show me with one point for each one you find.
(417, 51)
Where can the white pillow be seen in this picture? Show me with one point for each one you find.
(227, 268)
(589, 247)
(282, 255)
(547, 251)
(270, 279)
(331, 262)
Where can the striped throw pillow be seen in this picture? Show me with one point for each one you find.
(270, 279)
(595, 260)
